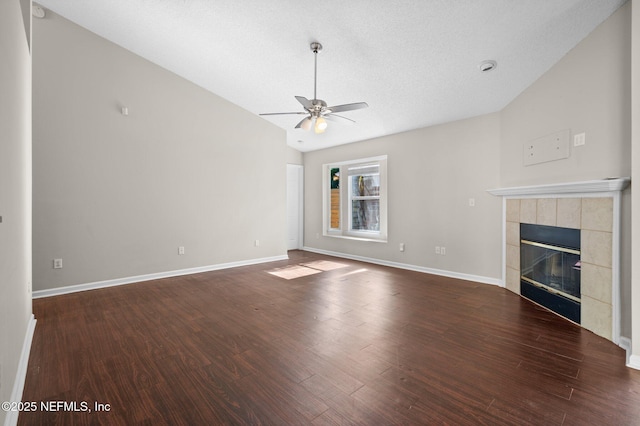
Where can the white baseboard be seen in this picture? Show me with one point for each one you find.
(625, 343)
(21, 374)
(148, 277)
(443, 273)
(634, 362)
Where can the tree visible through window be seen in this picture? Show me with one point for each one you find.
(335, 198)
(365, 198)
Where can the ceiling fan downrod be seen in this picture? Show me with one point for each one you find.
(315, 48)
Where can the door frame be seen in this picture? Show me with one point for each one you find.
(300, 208)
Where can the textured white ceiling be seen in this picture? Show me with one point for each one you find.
(415, 62)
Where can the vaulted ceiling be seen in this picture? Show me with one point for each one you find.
(415, 62)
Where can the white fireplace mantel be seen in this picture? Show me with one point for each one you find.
(584, 187)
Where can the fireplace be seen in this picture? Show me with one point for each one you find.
(591, 208)
(550, 268)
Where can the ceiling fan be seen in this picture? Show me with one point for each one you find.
(317, 109)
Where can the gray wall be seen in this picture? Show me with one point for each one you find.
(115, 196)
(589, 91)
(15, 192)
(432, 173)
(294, 156)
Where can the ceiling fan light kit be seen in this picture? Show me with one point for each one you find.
(317, 109)
(321, 125)
(305, 124)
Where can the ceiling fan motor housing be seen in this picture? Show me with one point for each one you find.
(319, 107)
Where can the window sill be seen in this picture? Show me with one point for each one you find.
(357, 238)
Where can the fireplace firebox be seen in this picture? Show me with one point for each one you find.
(550, 268)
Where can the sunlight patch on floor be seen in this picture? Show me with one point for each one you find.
(293, 271)
(324, 265)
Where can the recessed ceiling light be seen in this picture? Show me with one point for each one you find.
(486, 66)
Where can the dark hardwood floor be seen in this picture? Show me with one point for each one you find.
(320, 340)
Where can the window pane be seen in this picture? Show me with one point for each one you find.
(365, 185)
(355, 204)
(334, 177)
(365, 215)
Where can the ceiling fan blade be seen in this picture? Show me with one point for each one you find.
(348, 107)
(282, 113)
(332, 116)
(305, 102)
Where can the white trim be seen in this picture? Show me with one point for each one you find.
(301, 208)
(300, 179)
(351, 237)
(357, 161)
(440, 272)
(345, 198)
(148, 277)
(602, 185)
(616, 320)
(21, 374)
(625, 343)
(504, 242)
(634, 362)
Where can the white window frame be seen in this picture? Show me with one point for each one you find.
(345, 230)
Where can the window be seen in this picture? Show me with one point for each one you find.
(355, 197)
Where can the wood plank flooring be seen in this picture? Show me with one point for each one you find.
(317, 340)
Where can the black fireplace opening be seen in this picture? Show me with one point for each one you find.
(550, 268)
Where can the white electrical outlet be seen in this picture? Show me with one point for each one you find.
(57, 263)
(401, 246)
(181, 250)
(257, 243)
(437, 249)
(443, 250)
(472, 202)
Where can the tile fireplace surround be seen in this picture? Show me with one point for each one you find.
(594, 208)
